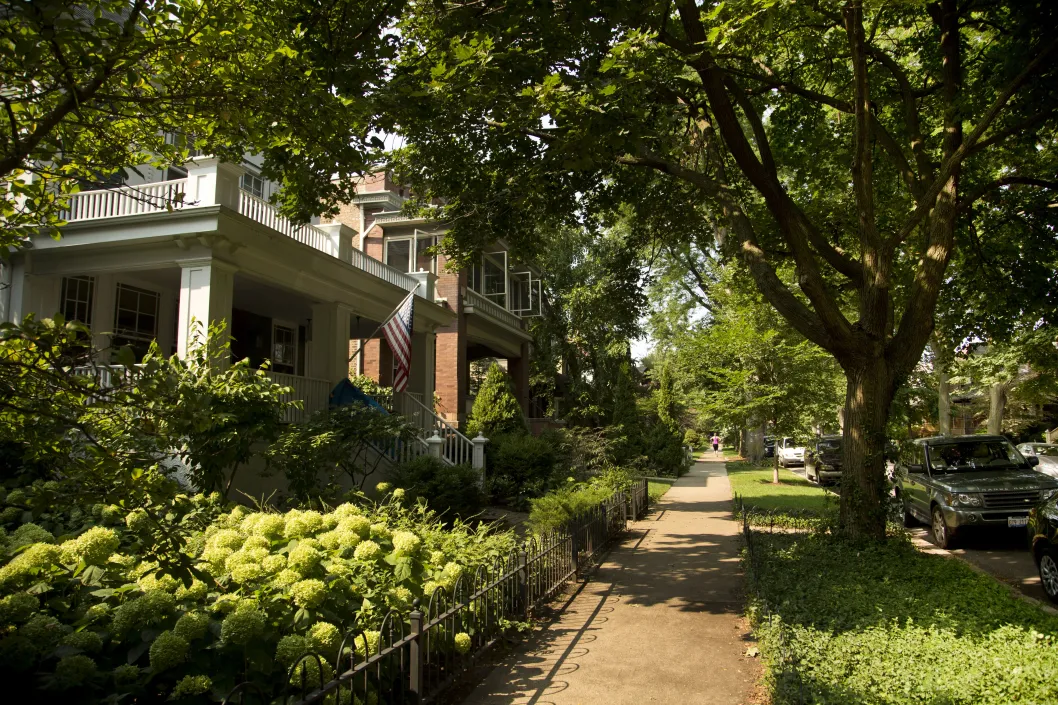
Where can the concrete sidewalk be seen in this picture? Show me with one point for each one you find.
(659, 622)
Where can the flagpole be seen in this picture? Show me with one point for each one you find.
(382, 325)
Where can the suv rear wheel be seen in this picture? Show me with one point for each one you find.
(1049, 573)
(943, 535)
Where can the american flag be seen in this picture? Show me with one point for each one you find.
(398, 334)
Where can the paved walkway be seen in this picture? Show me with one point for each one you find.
(659, 622)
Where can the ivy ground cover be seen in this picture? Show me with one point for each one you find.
(884, 624)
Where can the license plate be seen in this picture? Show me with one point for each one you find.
(1015, 522)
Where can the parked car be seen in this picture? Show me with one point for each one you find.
(1047, 454)
(822, 459)
(953, 482)
(1043, 540)
(769, 446)
(791, 453)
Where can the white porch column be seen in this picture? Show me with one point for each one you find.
(104, 292)
(329, 348)
(205, 298)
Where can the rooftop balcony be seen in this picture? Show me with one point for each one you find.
(210, 184)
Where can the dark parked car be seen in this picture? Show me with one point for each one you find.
(953, 482)
(1043, 538)
(769, 446)
(823, 459)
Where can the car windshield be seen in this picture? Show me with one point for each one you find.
(829, 445)
(973, 455)
(1051, 450)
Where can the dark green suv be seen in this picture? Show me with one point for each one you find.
(1043, 538)
(952, 482)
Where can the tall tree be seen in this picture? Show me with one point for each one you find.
(848, 140)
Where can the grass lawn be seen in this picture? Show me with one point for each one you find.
(658, 486)
(793, 493)
(882, 623)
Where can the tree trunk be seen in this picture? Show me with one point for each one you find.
(863, 490)
(943, 401)
(997, 404)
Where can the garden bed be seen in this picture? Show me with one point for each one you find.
(884, 623)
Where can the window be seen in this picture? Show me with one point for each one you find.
(135, 318)
(254, 185)
(76, 299)
(284, 349)
(398, 254)
(411, 254)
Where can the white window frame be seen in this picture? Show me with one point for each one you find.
(293, 329)
(64, 297)
(249, 183)
(413, 257)
(141, 292)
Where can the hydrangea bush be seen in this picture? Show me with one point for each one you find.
(85, 617)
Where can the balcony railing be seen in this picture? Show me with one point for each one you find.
(126, 200)
(211, 184)
(263, 212)
(478, 301)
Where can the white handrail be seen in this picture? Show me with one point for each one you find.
(362, 260)
(457, 449)
(313, 393)
(125, 200)
(265, 213)
(493, 309)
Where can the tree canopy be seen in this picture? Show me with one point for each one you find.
(846, 141)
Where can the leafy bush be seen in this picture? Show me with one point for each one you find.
(556, 508)
(496, 409)
(520, 466)
(884, 623)
(336, 449)
(691, 438)
(453, 491)
(84, 615)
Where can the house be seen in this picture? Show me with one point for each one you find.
(492, 300)
(155, 258)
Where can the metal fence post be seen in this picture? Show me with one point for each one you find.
(524, 588)
(415, 654)
(573, 548)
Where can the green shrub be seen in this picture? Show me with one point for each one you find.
(453, 491)
(883, 623)
(496, 409)
(260, 579)
(555, 509)
(521, 467)
(691, 438)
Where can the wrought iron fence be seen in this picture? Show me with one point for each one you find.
(413, 658)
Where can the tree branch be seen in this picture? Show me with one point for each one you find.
(981, 191)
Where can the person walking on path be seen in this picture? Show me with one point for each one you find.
(715, 440)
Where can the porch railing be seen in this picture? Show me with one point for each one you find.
(418, 655)
(493, 309)
(313, 393)
(361, 260)
(456, 448)
(126, 200)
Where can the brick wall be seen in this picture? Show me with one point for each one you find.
(450, 365)
(518, 369)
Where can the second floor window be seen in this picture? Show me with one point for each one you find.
(253, 185)
(76, 299)
(412, 253)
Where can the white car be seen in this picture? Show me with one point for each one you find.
(789, 452)
(1046, 452)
